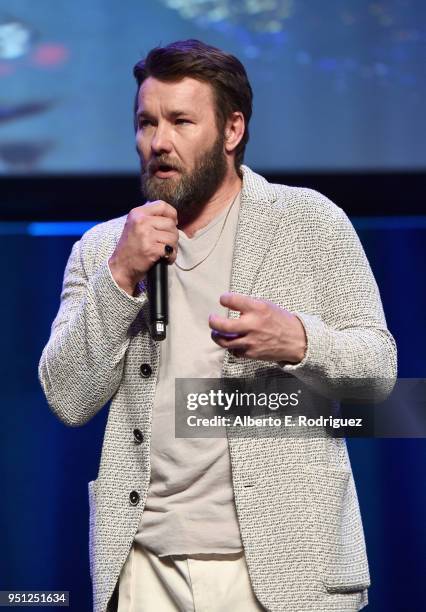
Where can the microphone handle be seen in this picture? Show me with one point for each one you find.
(157, 278)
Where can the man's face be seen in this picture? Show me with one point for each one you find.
(181, 152)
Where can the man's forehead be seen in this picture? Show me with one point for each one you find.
(186, 90)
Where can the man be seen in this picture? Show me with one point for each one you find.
(222, 524)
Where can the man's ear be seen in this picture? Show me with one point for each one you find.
(234, 131)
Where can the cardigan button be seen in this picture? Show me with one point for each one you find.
(145, 370)
(138, 436)
(134, 498)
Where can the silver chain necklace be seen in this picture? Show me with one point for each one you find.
(213, 247)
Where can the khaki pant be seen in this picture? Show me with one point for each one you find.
(216, 583)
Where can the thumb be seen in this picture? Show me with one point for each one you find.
(237, 301)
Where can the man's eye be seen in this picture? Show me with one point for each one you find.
(144, 123)
(182, 121)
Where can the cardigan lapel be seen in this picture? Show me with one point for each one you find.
(257, 223)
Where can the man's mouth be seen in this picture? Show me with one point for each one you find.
(164, 171)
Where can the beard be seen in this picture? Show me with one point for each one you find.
(189, 191)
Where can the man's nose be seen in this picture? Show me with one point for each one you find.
(161, 140)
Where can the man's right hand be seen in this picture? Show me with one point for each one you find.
(147, 230)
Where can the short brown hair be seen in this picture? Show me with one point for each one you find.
(223, 71)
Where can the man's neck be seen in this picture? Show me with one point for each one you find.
(222, 198)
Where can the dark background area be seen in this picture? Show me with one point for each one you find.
(100, 197)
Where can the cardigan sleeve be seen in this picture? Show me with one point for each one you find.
(348, 340)
(82, 363)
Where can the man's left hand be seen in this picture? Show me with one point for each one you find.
(263, 331)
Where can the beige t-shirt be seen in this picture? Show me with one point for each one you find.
(190, 506)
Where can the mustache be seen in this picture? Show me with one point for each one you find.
(161, 163)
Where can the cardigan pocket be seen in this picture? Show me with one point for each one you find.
(338, 526)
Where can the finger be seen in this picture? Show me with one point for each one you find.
(239, 302)
(238, 343)
(158, 207)
(164, 238)
(226, 326)
(163, 245)
(163, 223)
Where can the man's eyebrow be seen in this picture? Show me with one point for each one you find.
(178, 113)
(144, 113)
(173, 114)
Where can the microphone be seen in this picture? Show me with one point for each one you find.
(157, 288)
